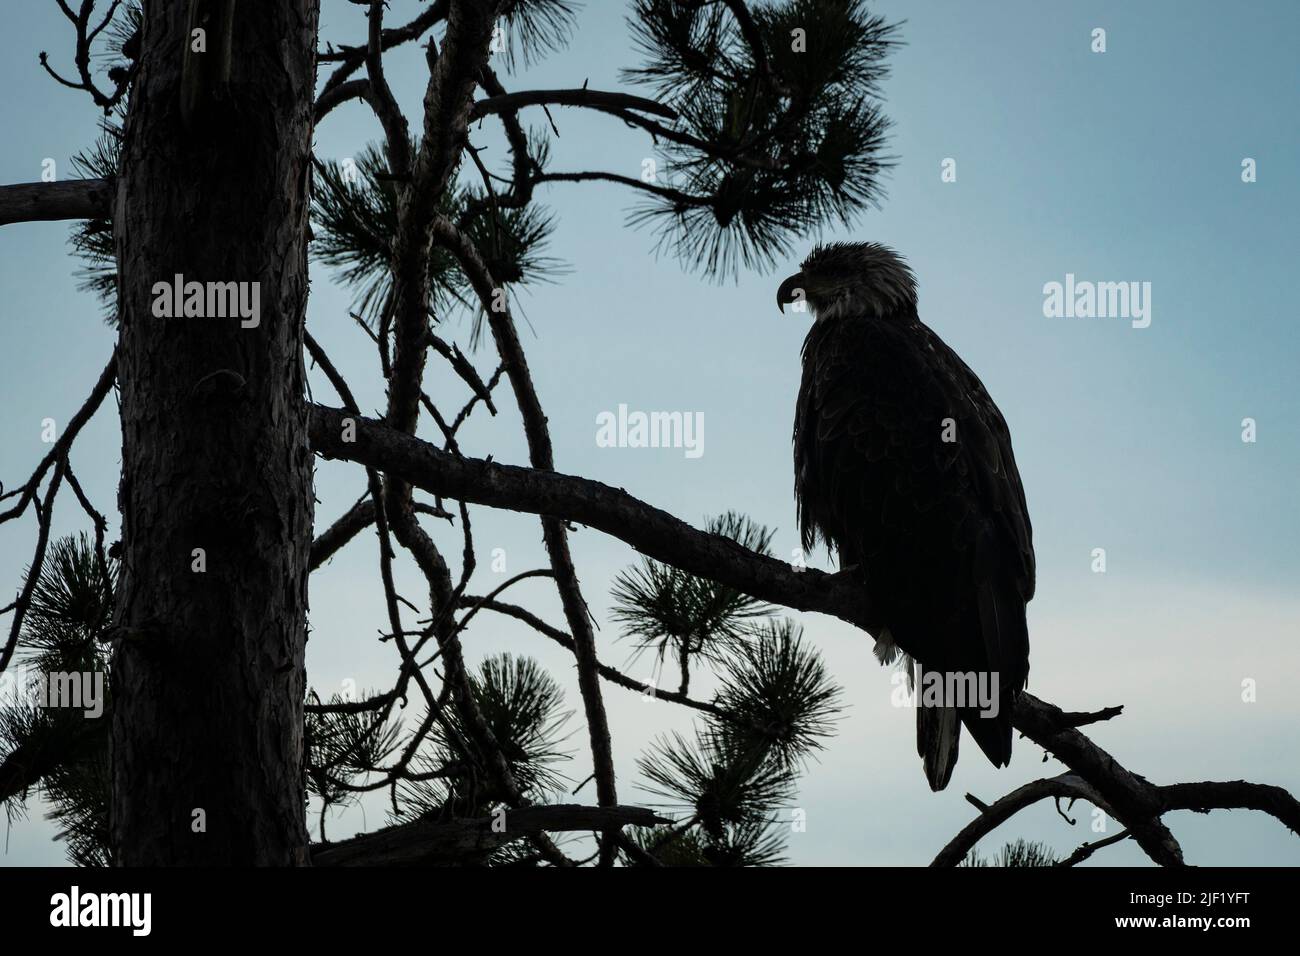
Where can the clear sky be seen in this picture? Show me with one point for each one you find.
(1116, 166)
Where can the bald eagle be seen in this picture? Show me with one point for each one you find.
(903, 466)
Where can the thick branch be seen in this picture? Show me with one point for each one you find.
(466, 841)
(1132, 799)
(396, 131)
(338, 95)
(27, 764)
(651, 531)
(47, 202)
(1233, 795)
(592, 99)
(1066, 785)
(1135, 802)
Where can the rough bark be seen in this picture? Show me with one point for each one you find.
(208, 665)
(72, 199)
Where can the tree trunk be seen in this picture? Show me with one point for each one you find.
(216, 495)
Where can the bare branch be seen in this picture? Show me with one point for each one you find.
(27, 492)
(667, 192)
(1132, 799)
(1081, 718)
(360, 516)
(521, 191)
(351, 57)
(995, 814)
(469, 375)
(452, 75)
(1088, 849)
(610, 674)
(650, 530)
(85, 38)
(465, 841)
(381, 98)
(554, 535)
(338, 95)
(607, 102)
(1233, 795)
(43, 516)
(49, 202)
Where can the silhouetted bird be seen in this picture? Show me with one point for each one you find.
(903, 466)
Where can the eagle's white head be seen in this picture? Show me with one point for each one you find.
(852, 278)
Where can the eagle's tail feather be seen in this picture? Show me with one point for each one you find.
(1006, 646)
(938, 732)
(993, 734)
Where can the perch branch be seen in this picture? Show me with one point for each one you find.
(650, 530)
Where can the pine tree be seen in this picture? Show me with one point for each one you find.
(765, 122)
(767, 129)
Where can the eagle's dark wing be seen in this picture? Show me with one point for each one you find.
(939, 528)
(996, 471)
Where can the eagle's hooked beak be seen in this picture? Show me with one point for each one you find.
(791, 290)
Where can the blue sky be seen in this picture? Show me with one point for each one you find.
(1115, 166)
